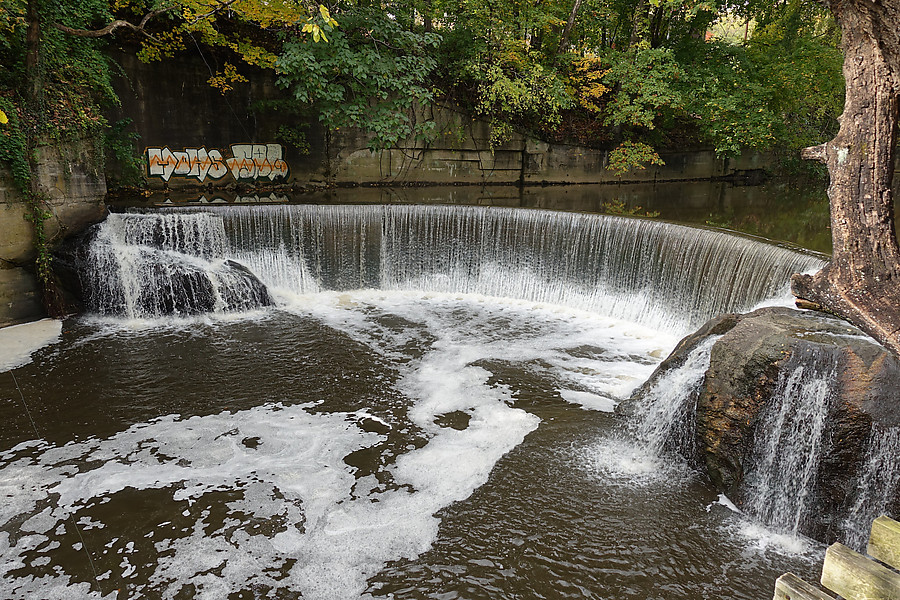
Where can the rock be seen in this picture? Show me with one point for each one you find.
(169, 284)
(754, 350)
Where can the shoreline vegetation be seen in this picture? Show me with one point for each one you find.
(633, 78)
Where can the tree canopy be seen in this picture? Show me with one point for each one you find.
(636, 76)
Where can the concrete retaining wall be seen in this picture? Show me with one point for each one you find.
(192, 136)
(75, 190)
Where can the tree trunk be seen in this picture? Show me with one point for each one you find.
(32, 54)
(640, 26)
(862, 281)
(564, 40)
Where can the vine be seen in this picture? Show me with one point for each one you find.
(38, 216)
(14, 145)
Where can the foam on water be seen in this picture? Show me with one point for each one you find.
(589, 401)
(295, 472)
(330, 527)
(269, 497)
(19, 342)
(615, 460)
(758, 537)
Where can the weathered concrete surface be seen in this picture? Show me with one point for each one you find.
(461, 153)
(71, 175)
(75, 189)
(19, 297)
(171, 105)
(745, 364)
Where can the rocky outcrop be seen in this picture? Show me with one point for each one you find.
(761, 350)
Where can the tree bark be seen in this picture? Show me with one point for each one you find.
(564, 40)
(862, 281)
(640, 27)
(33, 54)
(119, 24)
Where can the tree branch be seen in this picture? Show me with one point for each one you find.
(816, 153)
(564, 39)
(223, 4)
(117, 24)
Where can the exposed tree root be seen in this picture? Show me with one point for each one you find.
(873, 308)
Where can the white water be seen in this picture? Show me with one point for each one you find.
(877, 484)
(142, 266)
(333, 529)
(782, 472)
(666, 276)
(665, 417)
(532, 287)
(19, 342)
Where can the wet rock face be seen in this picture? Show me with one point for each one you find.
(169, 285)
(758, 350)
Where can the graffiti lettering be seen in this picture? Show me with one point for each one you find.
(255, 161)
(247, 161)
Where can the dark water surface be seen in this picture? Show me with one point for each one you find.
(788, 210)
(302, 453)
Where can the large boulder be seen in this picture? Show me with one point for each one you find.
(755, 362)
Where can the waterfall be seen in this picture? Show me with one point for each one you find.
(878, 482)
(790, 438)
(667, 276)
(666, 417)
(144, 266)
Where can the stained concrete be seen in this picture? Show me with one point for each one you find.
(75, 190)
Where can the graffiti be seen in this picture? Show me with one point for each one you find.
(255, 161)
(193, 162)
(247, 162)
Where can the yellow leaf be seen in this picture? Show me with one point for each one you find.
(324, 12)
(3, 118)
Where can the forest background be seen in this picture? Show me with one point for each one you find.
(634, 77)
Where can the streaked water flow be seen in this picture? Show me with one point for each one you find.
(667, 276)
(785, 461)
(664, 420)
(876, 485)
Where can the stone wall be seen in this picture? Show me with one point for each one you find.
(192, 136)
(75, 189)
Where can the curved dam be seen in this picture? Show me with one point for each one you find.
(667, 276)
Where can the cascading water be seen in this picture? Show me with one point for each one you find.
(663, 275)
(144, 266)
(667, 276)
(389, 431)
(788, 477)
(791, 437)
(665, 418)
(878, 482)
